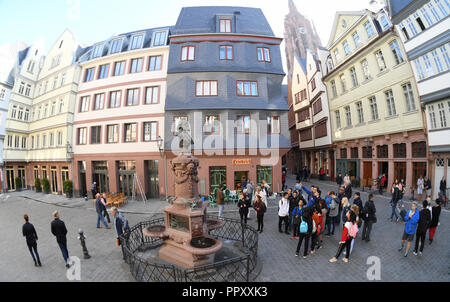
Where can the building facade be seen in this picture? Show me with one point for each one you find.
(224, 78)
(120, 108)
(375, 112)
(39, 128)
(424, 29)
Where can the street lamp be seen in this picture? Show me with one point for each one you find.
(163, 155)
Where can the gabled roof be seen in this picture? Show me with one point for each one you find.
(336, 20)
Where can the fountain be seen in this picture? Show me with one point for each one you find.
(185, 232)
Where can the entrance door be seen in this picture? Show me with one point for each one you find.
(367, 173)
(238, 176)
(438, 174)
(10, 179)
(351, 166)
(217, 177)
(102, 180)
(383, 168)
(21, 172)
(400, 171)
(53, 180)
(419, 169)
(126, 182)
(153, 178)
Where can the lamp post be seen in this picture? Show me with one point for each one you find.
(163, 155)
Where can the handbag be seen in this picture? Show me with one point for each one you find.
(374, 218)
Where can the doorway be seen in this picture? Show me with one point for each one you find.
(100, 176)
(400, 171)
(10, 178)
(367, 173)
(127, 169)
(238, 177)
(153, 178)
(217, 177)
(53, 180)
(21, 172)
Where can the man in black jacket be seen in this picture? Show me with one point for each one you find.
(357, 200)
(422, 227)
(339, 180)
(30, 234)
(348, 190)
(59, 230)
(306, 217)
(368, 216)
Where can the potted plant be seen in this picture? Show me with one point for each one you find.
(45, 186)
(18, 182)
(67, 188)
(37, 185)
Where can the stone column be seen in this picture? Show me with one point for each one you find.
(112, 176)
(89, 178)
(140, 171)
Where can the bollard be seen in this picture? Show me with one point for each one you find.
(82, 239)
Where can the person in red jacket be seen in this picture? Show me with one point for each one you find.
(346, 239)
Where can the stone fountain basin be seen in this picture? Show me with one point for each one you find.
(214, 223)
(209, 249)
(158, 231)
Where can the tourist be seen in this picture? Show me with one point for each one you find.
(317, 228)
(348, 190)
(297, 185)
(29, 232)
(283, 180)
(296, 213)
(243, 205)
(250, 189)
(340, 195)
(100, 208)
(427, 187)
(402, 192)
(324, 211)
(243, 182)
(59, 230)
(94, 189)
(261, 193)
(265, 187)
(293, 202)
(333, 213)
(357, 200)
(422, 227)
(105, 211)
(411, 218)
(220, 200)
(395, 190)
(345, 208)
(283, 213)
(369, 218)
(442, 189)
(348, 233)
(305, 230)
(355, 209)
(420, 187)
(382, 183)
(305, 173)
(435, 214)
(326, 219)
(311, 197)
(260, 209)
(120, 221)
(321, 173)
(339, 180)
(346, 178)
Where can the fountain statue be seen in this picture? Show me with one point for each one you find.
(187, 242)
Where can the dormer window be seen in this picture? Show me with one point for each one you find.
(263, 54)
(159, 38)
(97, 51)
(116, 46)
(225, 25)
(136, 41)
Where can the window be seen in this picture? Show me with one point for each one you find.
(188, 53)
(9, 141)
(338, 119)
(55, 61)
(355, 37)
(63, 79)
(2, 93)
(427, 16)
(313, 84)
(380, 60)
(263, 54)
(382, 151)
(317, 106)
(28, 90)
(159, 38)
(397, 52)
(114, 99)
(419, 21)
(348, 116)
(16, 142)
(243, 124)
(212, 124)
(132, 97)
(354, 77)
(226, 52)
(82, 136)
(446, 56)
(20, 113)
(428, 66)
(30, 67)
(441, 7)
(51, 140)
(99, 100)
(206, 88)
(432, 115)
(45, 87)
(116, 46)
(44, 140)
(247, 88)
(306, 135)
(61, 106)
(150, 130)
(136, 65)
(55, 82)
(437, 61)
(442, 118)
(367, 152)
(154, 63)
(112, 133)
(354, 152)
(45, 111)
(152, 95)
(303, 115)
(320, 130)
(103, 71)
(412, 27)
(176, 122)
(400, 150)
(390, 103)
(409, 97)
(97, 52)
(38, 115)
(27, 114)
(53, 109)
(359, 110)
(434, 12)
(225, 25)
(89, 76)
(37, 141)
(130, 132)
(32, 142)
(60, 138)
(95, 134)
(333, 88)
(419, 69)
(84, 104)
(343, 86)
(14, 111)
(337, 56)
(344, 153)
(136, 41)
(346, 48)
(369, 29)
(273, 124)
(419, 149)
(21, 87)
(384, 22)
(119, 68)
(373, 108)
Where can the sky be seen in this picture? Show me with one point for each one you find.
(95, 20)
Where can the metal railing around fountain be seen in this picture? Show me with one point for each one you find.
(236, 269)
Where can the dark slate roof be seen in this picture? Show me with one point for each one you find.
(22, 55)
(202, 19)
(302, 62)
(85, 53)
(397, 5)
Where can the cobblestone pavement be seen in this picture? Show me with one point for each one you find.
(276, 250)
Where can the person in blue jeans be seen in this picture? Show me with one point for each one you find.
(59, 230)
(29, 232)
(333, 213)
(100, 208)
(411, 218)
(394, 201)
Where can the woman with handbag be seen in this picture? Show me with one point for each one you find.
(348, 234)
(355, 209)
(297, 213)
(260, 209)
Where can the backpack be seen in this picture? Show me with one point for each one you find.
(303, 227)
(353, 230)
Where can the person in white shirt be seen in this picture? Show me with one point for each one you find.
(420, 185)
(346, 178)
(283, 213)
(262, 194)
